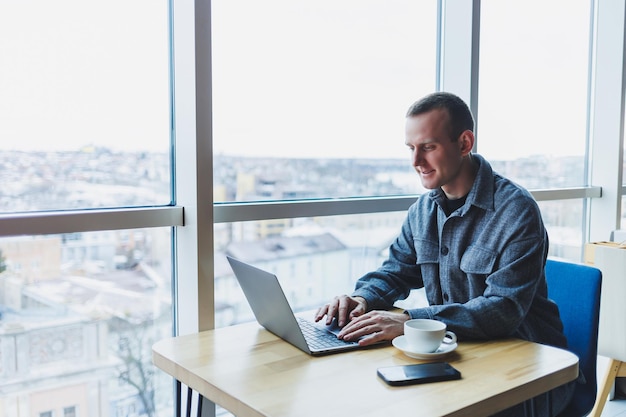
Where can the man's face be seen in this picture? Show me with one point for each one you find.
(435, 157)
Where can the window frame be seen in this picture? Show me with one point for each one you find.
(606, 117)
(193, 213)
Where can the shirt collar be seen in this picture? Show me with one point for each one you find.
(482, 191)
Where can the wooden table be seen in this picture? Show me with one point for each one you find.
(251, 372)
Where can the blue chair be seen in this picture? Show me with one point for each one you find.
(576, 290)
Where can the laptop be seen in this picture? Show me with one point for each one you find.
(272, 310)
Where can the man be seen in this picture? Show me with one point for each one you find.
(476, 243)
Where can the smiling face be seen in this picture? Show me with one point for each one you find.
(438, 160)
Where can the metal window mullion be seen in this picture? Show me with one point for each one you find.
(606, 116)
(56, 222)
(193, 167)
(73, 221)
(235, 212)
(459, 41)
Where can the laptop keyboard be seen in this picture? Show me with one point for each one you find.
(318, 338)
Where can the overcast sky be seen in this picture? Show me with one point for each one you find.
(291, 78)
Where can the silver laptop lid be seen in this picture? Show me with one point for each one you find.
(271, 307)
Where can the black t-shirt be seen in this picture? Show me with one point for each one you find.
(450, 205)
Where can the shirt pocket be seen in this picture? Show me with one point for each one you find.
(478, 260)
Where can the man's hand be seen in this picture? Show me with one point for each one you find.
(344, 308)
(374, 326)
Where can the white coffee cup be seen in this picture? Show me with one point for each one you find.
(426, 335)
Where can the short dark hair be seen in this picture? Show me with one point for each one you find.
(461, 118)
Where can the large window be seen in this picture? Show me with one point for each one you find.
(78, 315)
(315, 114)
(309, 97)
(85, 124)
(533, 89)
(84, 104)
(314, 258)
(289, 115)
(533, 103)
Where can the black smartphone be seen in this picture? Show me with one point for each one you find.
(418, 373)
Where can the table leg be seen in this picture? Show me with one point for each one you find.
(178, 388)
(549, 401)
(189, 398)
(200, 403)
(605, 387)
(530, 408)
(206, 408)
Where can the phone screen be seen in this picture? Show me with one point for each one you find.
(418, 373)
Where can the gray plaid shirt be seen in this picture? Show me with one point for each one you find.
(482, 267)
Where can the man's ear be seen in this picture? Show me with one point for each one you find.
(466, 142)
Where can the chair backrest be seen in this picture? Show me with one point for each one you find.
(575, 288)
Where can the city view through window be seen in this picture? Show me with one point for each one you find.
(85, 124)
(91, 304)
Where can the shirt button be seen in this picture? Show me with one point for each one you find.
(445, 296)
(444, 251)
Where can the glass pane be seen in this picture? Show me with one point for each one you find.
(313, 258)
(309, 97)
(84, 98)
(533, 89)
(564, 220)
(78, 316)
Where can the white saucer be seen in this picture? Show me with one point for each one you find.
(400, 343)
